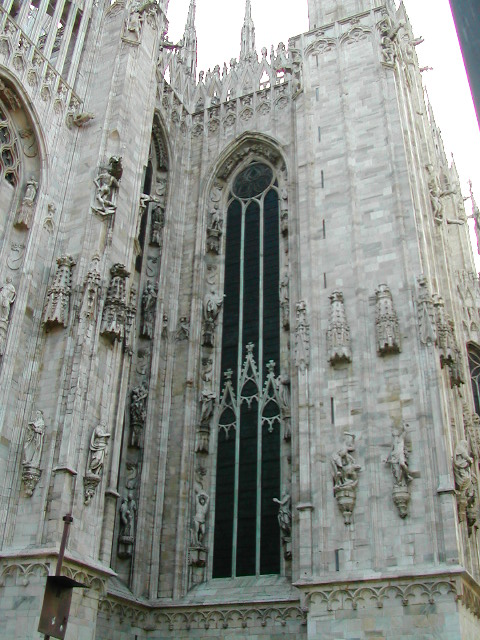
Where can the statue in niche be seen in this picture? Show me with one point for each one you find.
(149, 300)
(207, 399)
(126, 535)
(107, 184)
(183, 331)
(24, 213)
(212, 304)
(32, 453)
(202, 501)
(33, 446)
(285, 514)
(345, 477)
(285, 522)
(96, 459)
(138, 413)
(283, 388)
(7, 298)
(98, 450)
(398, 460)
(285, 300)
(465, 484)
(157, 225)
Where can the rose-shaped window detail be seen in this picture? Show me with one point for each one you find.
(252, 181)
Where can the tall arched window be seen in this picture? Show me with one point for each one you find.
(247, 535)
(474, 363)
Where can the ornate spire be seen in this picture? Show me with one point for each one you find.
(190, 42)
(248, 52)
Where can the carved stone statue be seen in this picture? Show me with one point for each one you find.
(338, 332)
(107, 184)
(345, 477)
(96, 459)
(398, 460)
(202, 501)
(212, 304)
(208, 403)
(149, 300)
(98, 450)
(283, 389)
(57, 303)
(24, 214)
(285, 300)
(215, 222)
(386, 322)
(426, 316)
(285, 514)
(32, 453)
(7, 298)
(183, 331)
(126, 536)
(157, 225)
(436, 194)
(387, 39)
(465, 484)
(138, 413)
(92, 289)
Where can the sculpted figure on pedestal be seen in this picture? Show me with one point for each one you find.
(202, 500)
(25, 211)
(96, 459)
(149, 300)
(398, 461)
(32, 453)
(345, 477)
(7, 298)
(465, 484)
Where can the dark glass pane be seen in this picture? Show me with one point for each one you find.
(247, 491)
(251, 276)
(270, 530)
(231, 303)
(271, 266)
(252, 181)
(224, 499)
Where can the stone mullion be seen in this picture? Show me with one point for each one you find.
(79, 41)
(67, 34)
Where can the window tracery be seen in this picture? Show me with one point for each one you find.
(474, 364)
(9, 156)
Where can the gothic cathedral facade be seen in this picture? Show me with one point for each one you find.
(239, 332)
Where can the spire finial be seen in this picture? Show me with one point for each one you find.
(190, 42)
(247, 52)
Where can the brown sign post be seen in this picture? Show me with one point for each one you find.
(58, 594)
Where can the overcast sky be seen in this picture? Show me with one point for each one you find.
(219, 25)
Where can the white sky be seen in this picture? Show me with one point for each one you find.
(219, 24)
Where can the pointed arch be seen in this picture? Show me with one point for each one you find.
(473, 351)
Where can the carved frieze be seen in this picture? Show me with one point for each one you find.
(32, 453)
(107, 184)
(302, 337)
(345, 477)
(398, 459)
(338, 332)
(57, 304)
(7, 298)
(114, 311)
(24, 215)
(97, 452)
(386, 322)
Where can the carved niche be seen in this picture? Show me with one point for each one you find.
(114, 311)
(386, 322)
(97, 452)
(338, 332)
(57, 304)
(302, 337)
(345, 477)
